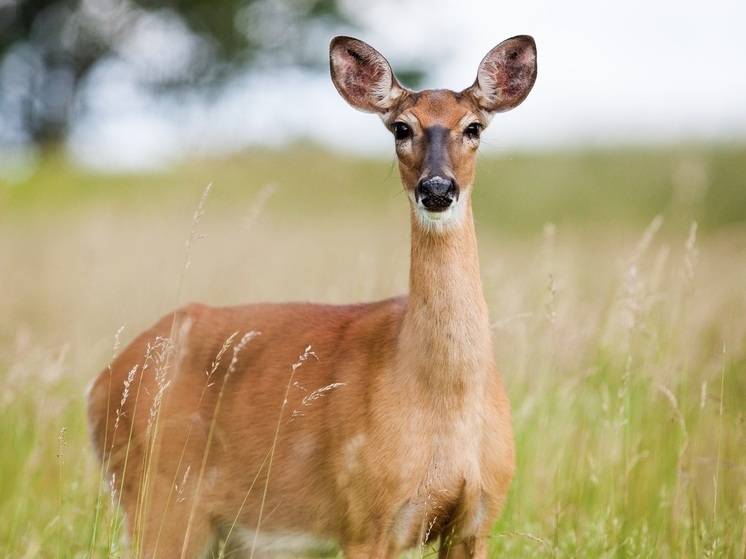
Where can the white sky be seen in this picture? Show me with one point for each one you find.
(609, 72)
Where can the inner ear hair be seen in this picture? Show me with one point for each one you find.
(363, 76)
(506, 75)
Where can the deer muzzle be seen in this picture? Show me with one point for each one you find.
(436, 193)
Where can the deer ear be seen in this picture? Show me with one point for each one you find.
(506, 75)
(363, 76)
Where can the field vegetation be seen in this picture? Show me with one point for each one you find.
(616, 282)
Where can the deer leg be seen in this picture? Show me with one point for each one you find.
(468, 534)
(378, 547)
(462, 548)
(173, 530)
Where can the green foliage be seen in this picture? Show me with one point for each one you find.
(514, 192)
(49, 48)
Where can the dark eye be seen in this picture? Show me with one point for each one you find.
(401, 130)
(473, 130)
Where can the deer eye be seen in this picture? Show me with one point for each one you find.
(401, 131)
(473, 130)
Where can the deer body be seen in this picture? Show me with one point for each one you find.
(394, 431)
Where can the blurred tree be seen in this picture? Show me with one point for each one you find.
(48, 48)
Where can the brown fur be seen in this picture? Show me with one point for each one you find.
(439, 107)
(397, 430)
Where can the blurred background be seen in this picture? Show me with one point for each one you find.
(158, 152)
(140, 84)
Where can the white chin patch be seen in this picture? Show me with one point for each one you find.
(439, 222)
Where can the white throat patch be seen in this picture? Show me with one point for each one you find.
(439, 222)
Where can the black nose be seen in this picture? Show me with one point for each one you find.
(436, 193)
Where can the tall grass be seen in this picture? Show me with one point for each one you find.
(623, 345)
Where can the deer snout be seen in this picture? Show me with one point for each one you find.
(436, 193)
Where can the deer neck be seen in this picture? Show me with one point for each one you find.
(445, 337)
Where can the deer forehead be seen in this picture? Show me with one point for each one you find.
(437, 107)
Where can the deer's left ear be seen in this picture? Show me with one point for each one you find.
(506, 75)
(363, 76)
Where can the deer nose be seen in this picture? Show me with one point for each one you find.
(436, 193)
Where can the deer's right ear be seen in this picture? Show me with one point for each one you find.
(363, 76)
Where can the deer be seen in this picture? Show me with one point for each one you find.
(377, 426)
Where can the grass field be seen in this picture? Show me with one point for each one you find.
(616, 283)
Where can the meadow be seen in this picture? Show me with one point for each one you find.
(616, 282)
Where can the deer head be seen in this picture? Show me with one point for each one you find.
(436, 131)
